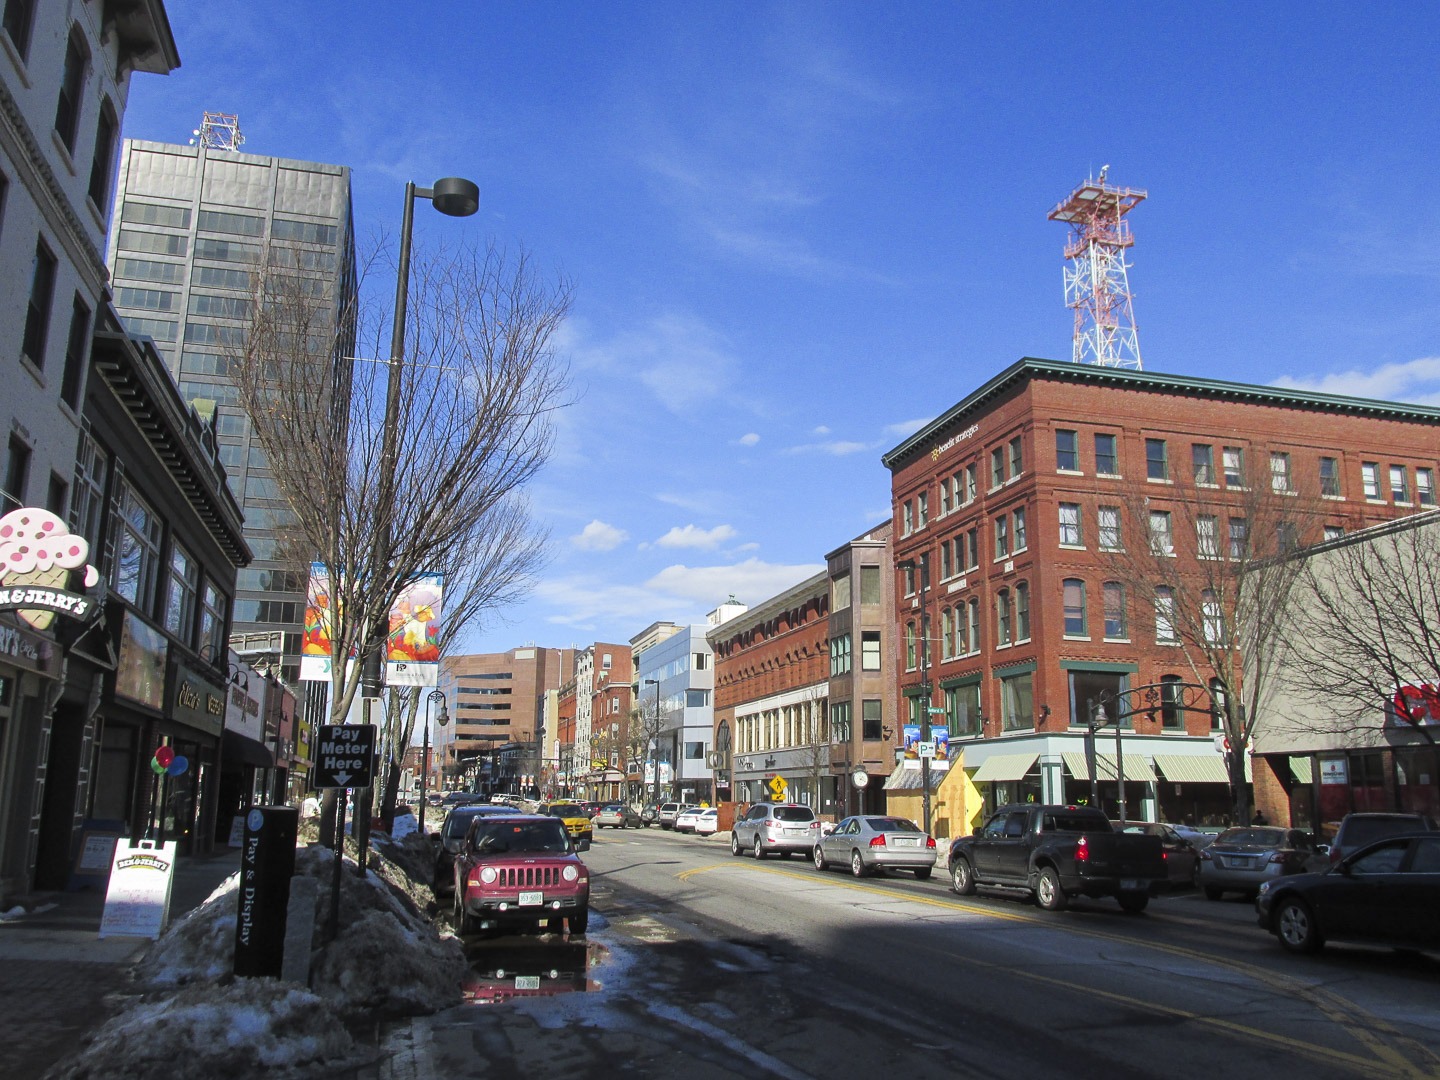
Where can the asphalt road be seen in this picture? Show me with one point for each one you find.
(699, 965)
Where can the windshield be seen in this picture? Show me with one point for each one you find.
(794, 813)
(891, 824)
(1360, 832)
(1258, 837)
(1073, 822)
(566, 811)
(500, 835)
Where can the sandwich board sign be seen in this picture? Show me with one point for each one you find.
(137, 896)
(345, 757)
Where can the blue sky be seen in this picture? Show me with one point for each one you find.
(798, 231)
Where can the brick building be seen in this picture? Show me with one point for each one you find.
(1011, 503)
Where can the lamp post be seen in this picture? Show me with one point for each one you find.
(442, 720)
(454, 197)
(920, 569)
(655, 754)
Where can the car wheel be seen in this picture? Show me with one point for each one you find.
(759, 851)
(734, 845)
(1213, 892)
(464, 921)
(580, 922)
(1133, 902)
(1048, 892)
(1295, 927)
(922, 873)
(962, 878)
(857, 865)
(818, 857)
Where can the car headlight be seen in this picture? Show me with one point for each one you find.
(1265, 886)
(488, 875)
(570, 873)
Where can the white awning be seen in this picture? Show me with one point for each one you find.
(1207, 768)
(1004, 767)
(1136, 767)
(906, 778)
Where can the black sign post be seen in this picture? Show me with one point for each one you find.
(267, 863)
(344, 758)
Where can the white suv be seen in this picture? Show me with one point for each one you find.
(779, 828)
(669, 811)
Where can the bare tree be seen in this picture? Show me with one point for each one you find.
(1213, 564)
(1366, 622)
(645, 727)
(376, 502)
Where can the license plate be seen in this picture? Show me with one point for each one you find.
(796, 832)
(1132, 883)
(527, 982)
(528, 899)
(906, 841)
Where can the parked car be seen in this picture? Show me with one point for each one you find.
(592, 807)
(870, 843)
(775, 829)
(1364, 828)
(451, 838)
(577, 821)
(617, 816)
(520, 869)
(668, 812)
(1384, 894)
(707, 822)
(1245, 857)
(649, 814)
(459, 798)
(1181, 855)
(1199, 838)
(686, 820)
(1056, 852)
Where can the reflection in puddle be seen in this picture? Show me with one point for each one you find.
(501, 971)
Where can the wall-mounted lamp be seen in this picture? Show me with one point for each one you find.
(1044, 714)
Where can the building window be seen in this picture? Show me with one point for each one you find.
(1073, 590)
(607, 661)
(1108, 518)
(102, 165)
(55, 496)
(700, 661)
(87, 507)
(184, 586)
(76, 347)
(37, 312)
(1239, 538)
(1425, 487)
(1233, 458)
(1161, 542)
(907, 518)
(1067, 451)
(1017, 458)
(1202, 461)
(1280, 472)
(972, 549)
(922, 509)
(1218, 700)
(19, 19)
(869, 585)
(840, 655)
(1107, 462)
(926, 658)
(1070, 525)
(137, 549)
(997, 467)
(1334, 532)
(1022, 612)
(72, 83)
(910, 646)
(17, 475)
(1017, 708)
(1170, 718)
(1287, 536)
(840, 593)
(1165, 615)
(1330, 477)
(947, 634)
(1020, 542)
(962, 710)
(973, 627)
(1002, 536)
(212, 623)
(1370, 479)
(972, 482)
(1207, 541)
(1004, 615)
(947, 562)
(872, 719)
(1211, 616)
(944, 498)
(908, 578)
(1113, 594)
(1399, 484)
(1157, 463)
(840, 721)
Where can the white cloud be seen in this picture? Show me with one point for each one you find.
(1415, 381)
(749, 439)
(690, 536)
(906, 428)
(752, 581)
(835, 448)
(598, 536)
(821, 430)
(679, 358)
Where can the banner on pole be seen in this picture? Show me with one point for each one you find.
(412, 646)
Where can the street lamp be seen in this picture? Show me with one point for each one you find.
(655, 756)
(442, 720)
(922, 585)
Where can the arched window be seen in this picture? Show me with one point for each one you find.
(1022, 611)
(72, 87)
(1073, 590)
(1002, 618)
(1116, 626)
(974, 626)
(947, 634)
(102, 165)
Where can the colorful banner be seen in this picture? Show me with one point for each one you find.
(412, 647)
(316, 652)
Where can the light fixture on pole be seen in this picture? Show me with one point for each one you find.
(442, 720)
(919, 570)
(655, 753)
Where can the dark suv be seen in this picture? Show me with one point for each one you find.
(1362, 829)
(775, 828)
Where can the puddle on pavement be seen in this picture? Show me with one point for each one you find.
(501, 971)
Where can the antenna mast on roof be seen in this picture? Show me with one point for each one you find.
(1096, 284)
(219, 131)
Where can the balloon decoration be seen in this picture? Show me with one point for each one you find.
(165, 755)
(167, 762)
(178, 766)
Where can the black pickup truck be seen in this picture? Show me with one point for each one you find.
(1057, 852)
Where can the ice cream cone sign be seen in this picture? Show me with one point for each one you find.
(40, 560)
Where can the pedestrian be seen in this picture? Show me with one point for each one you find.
(1259, 818)
(309, 808)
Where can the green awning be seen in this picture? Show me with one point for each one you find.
(1136, 767)
(1004, 767)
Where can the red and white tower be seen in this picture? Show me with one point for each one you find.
(1096, 284)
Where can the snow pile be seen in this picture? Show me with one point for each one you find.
(198, 948)
(219, 1032)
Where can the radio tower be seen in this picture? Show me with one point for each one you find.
(1096, 285)
(219, 131)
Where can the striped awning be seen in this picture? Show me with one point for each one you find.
(1208, 768)
(1004, 767)
(907, 778)
(1136, 767)
(1300, 766)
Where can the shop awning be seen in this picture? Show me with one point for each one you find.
(1005, 767)
(907, 778)
(242, 750)
(1192, 769)
(1136, 767)
(1300, 766)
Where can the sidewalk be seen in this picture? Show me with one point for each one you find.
(59, 980)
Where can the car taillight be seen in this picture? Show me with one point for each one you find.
(1334, 853)
(1277, 857)
(1205, 854)
(1165, 855)
(1082, 849)
(878, 841)
(488, 874)
(929, 841)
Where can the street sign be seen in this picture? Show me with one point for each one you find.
(925, 749)
(346, 756)
(778, 788)
(936, 710)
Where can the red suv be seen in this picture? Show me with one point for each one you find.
(520, 870)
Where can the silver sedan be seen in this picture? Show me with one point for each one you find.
(868, 843)
(1245, 857)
